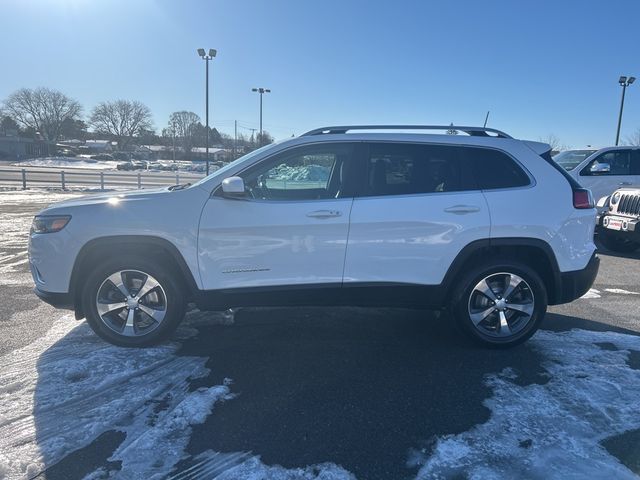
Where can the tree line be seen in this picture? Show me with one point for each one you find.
(53, 116)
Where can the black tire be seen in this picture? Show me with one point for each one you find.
(170, 291)
(532, 294)
(617, 244)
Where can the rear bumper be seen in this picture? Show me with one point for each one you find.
(58, 300)
(576, 283)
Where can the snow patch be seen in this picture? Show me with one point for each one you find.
(592, 293)
(620, 291)
(552, 430)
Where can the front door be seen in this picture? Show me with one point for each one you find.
(290, 228)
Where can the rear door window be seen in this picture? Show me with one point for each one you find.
(407, 168)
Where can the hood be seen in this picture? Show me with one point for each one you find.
(111, 197)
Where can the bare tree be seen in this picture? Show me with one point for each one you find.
(634, 138)
(184, 126)
(265, 138)
(121, 119)
(42, 110)
(554, 142)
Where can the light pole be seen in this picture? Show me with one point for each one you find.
(261, 91)
(624, 83)
(173, 125)
(206, 57)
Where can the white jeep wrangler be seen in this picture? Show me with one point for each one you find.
(619, 222)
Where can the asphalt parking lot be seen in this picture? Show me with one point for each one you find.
(315, 392)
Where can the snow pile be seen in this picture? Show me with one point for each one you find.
(68, 162)
(308, 173)
(552, 430)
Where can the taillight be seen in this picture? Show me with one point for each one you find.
(582, 198)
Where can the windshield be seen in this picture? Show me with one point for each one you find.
(237, 161)
(570, 159)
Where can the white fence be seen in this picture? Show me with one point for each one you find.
(27, 177)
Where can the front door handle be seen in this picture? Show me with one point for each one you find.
(624, 183)
(324, 214)
(462, 209)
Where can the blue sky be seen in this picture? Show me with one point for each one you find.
(541, 67)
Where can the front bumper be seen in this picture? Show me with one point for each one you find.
(630, 229)
(576, 283)
(58, 300)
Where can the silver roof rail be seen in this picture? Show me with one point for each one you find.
(472, 131)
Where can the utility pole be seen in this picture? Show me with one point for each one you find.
(206, 57)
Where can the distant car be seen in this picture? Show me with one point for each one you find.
(172, 167)
(608, 169)
(619, 222)
(125, 166)
(122, 156)
(570, 159)
(68, 153)
(101, 156)
(140, 164)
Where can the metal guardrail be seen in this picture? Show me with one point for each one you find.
(64, 178)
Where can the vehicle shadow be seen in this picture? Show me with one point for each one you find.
(602, 250)
(361, 388)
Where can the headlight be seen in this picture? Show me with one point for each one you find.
(49, 223)
(615, 198)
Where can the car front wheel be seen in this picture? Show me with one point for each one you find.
(500, 305)
(133, 302)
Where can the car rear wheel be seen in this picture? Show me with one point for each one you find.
(618, 244)
(133, 302)
(499, 305)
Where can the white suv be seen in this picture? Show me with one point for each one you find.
(605, 170)
(484, 224)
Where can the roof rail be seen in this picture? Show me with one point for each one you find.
(472, 131)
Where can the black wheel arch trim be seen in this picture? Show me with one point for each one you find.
(126, 240)
(476, 246)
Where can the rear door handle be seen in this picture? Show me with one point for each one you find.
(324, 214)
(624, 183)
(462, 209)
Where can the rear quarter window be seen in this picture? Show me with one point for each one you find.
(493, 169)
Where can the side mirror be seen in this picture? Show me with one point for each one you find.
(233, 186)
(600, 168)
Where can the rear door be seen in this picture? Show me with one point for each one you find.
(416, 210)
(623, 171)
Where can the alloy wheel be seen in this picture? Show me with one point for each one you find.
(131, 303)
(501, 305)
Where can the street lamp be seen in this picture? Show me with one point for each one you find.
(206, 57)
(261, 91)
(173, 125)
(624, 83)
